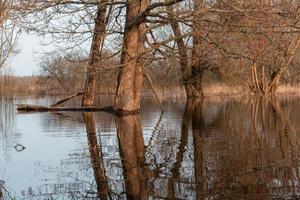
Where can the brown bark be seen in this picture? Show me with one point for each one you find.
(197, 70)
(183, 56)
(260, 84)
(191, 73)
(95, 54)
(179, 41)
(132, 152)
(291, 51)
(131, 75)
(96, 157)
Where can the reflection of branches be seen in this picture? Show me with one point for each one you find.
(4, 193)
(7, 121)
(192, 115)
(284, 127)
(254, 115)
(156, 130)
(181, 149)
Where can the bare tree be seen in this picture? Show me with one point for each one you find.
(95, 54)
(8, 31)
(256, 40)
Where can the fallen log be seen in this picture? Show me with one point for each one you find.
(36, 108)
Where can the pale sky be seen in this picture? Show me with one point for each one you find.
(25, 63)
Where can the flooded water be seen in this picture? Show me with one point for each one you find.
(210, 149)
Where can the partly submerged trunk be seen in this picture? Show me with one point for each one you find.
(132, 152)
(95, 54)
(182, 50)
(191, 73)
(197, 69)
(131, 75)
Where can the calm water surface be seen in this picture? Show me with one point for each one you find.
(213, 149)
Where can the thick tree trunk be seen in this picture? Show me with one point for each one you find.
(132, 152)
(95, 54)
(131, 76)
(96, 157)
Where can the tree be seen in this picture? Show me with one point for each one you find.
(8, 31)
(63, 73)
(95, 54)
(192, 70)
(131, 76)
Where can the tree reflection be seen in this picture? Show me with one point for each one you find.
(229, 150)
(7, 123)
(197, 123)
(175, 178)
(132, 152)
(192, 119)
(96, 157)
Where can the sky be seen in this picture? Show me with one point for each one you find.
(26, 61)
(31, 48)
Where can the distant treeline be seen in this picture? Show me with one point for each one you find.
(12, 85)
(66, 75)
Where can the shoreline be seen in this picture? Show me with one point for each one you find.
(214, 90)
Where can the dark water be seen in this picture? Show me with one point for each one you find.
(213, 149)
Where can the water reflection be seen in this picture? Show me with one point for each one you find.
(96, 157)
(7, 120)
(228, 149)
(132, 154)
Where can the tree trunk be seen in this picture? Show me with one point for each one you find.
(95, 54)
(191, 73)
(183, 56)
(131, 75)
(197, 71)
